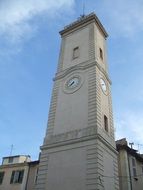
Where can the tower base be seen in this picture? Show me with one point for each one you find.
(86, 163)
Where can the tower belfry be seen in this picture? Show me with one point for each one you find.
(79, 151)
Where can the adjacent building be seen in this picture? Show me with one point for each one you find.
(18, 173)
(130, 164)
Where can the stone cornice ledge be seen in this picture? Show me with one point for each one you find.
(23, 164)
(72, 137)
(68, 136)
(81, 66)
(84, 20)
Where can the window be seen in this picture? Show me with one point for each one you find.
(142, 169)
(101, 53)
(17, 176)
(1, 177)
(36, 176)
(133, 162)
(10, 160)
(134, 172)
(75, 52)
(134, 167)
(105, 123)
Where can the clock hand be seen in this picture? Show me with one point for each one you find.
(72, 83)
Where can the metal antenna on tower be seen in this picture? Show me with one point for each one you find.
(11, 149)
(83, 9)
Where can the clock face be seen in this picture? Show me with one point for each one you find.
(103, 85)
(73, 82)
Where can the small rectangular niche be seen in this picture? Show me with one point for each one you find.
(76, 52)
(101, 53)
(105, 123)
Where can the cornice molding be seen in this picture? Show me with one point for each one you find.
(68, 136)
(24, 164)
(81, 66)
(84, 20)
(75, 136)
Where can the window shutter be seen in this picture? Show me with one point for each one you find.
(1, 177)
(21, 173)
(12, 176)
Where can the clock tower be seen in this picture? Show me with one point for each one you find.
(79, 151)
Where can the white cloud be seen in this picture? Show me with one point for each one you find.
(16, 14)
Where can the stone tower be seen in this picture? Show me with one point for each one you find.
(79, 152)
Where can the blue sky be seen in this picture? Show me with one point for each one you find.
(29, 49)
